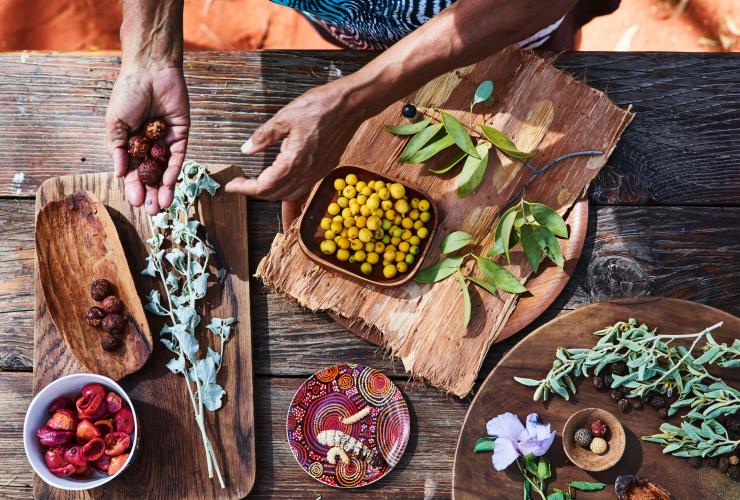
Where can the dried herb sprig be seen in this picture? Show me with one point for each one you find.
(179, 257)
(655, 365)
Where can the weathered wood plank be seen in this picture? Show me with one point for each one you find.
(426, 467)
(682, 148)
(690, 253)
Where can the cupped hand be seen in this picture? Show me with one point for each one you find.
(141, 95)
(315, 129)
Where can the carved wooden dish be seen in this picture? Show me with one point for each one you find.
(77, 243)
(585, 458)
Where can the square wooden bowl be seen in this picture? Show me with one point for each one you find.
(311, 234)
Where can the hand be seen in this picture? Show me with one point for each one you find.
(315, 129)
(140, 95)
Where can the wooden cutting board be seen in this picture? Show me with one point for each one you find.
(474, 476)
(170, 462)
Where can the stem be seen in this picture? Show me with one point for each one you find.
(532, 483)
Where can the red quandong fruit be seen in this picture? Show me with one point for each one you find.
(63, 420)
(53, 437)
(61, 403)
(73, 455)
(102, 463)
(86, 431)
(114, 402)
(116, 463)
(65, 471)
(116, 443)
(124, 421)
(93, 449)
(104, 426)
(54, 458)
(84, 470)
(91, 405)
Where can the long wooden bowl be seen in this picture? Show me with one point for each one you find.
(77, 243)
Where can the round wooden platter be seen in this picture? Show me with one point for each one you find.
(545, 286)
(473, 473)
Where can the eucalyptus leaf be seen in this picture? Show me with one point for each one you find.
(459, 134)
(418, 141)
(500, 277)
(530, 246)
(427, 152)
(407, 128)
(486, 285)
(483, 93)
(502, 142)
(455, 241)
(439, 271)
(473, 171)
(450, 164)
(549, 218)
(466, 298)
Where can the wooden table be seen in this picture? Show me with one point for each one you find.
(664, 221)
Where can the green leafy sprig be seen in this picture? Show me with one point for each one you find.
(655, 364)
(535, 473)
(179, 257)
(533, 224)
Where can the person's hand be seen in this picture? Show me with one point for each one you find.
(315, 129)
(141, 95)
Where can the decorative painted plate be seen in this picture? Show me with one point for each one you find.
(348, 425)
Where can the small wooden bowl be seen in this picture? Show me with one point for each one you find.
(311, 234)
(585, 458)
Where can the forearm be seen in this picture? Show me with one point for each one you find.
(151, 33)
(462, 34)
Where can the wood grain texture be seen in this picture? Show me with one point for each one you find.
(473, 474)
(76, 244)
(542, 110)
(681, 149)
(426, 466)
(674, 250)
(171, 462)
(544, 287)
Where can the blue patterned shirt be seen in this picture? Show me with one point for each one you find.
(378, 24)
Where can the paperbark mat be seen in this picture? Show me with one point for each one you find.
(540, 108)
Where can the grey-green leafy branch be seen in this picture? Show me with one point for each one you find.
(656, 363)
(179, 256)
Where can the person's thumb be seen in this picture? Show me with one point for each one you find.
(265, 136)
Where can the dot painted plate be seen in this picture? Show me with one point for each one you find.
(348, 425)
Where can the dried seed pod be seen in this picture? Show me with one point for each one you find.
(624, 405)
(155, 130)
(114, 324)
(583, 437)
(112, 304)
(637, 404)
(110, 342)
(658, 402)
(619, 368)
(138, 146)
(599, 428)
(100, 289)
(160, 154)
(663, 413)
(150, 173)
(617, 394)
(598, 381)
(95, 316)
(599, 446)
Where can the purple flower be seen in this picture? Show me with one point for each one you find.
(514, 440)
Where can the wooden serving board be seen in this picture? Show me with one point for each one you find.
(544, 287)
(474, 476)
(170, 460)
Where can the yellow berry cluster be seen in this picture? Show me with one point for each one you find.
(373, 222)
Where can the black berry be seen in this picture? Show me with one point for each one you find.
(409, 111)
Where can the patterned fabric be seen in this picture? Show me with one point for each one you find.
(378, 24)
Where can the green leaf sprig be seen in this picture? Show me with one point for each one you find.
(179, 256)
(654, 364)
(535, 473)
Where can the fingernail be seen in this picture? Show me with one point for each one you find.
(247, 147)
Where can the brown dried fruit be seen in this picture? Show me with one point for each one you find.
(114, 324)
(636, 404)
(619, 368)
(155, 130)
(160, 154)
(617, 394)
(95, 316)
(658, 402)
(100, 289)
(663, 413)
(138, 146)
(598, 381)
(150, 173)
(112, 304)
(110, 342)
(624, 405)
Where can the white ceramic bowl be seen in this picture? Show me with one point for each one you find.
(37, 415)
